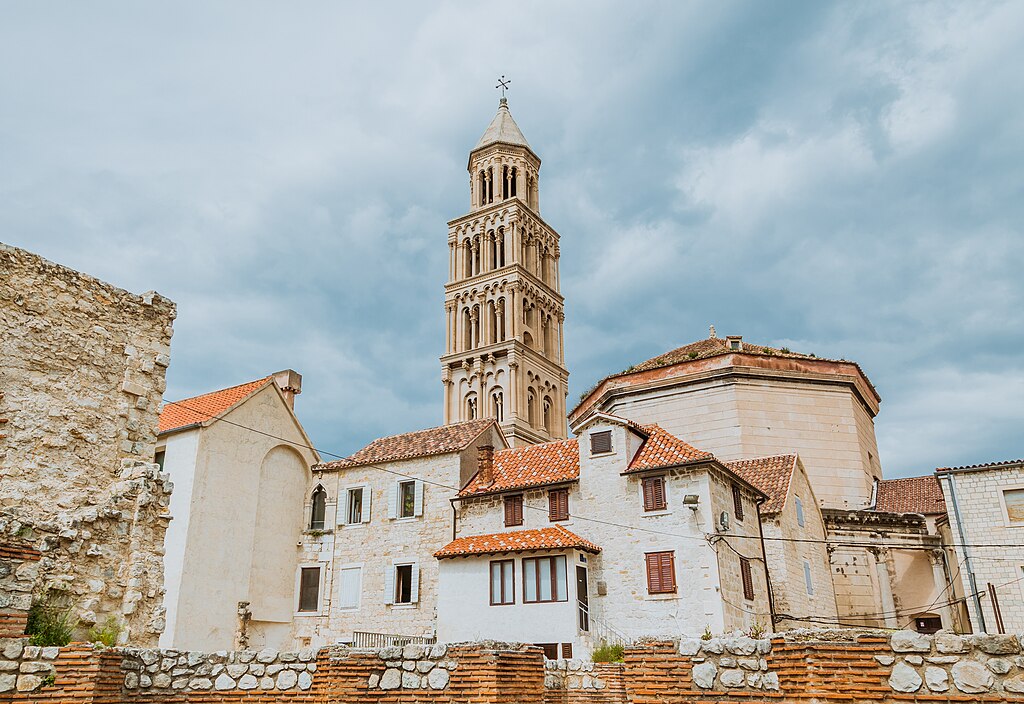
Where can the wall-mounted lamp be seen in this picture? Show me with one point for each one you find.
(723, 521)
(691, 501)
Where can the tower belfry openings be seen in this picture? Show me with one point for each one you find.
(504, 351)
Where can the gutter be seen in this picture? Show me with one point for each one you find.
(967, 551)
(764, 561)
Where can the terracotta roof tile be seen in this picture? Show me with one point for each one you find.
(553, 538)
(709, 348)
(663, 449)
(910, 495)
(772, 475)
(985, 465)
(198, 409)
(532, 465)
(420, 443)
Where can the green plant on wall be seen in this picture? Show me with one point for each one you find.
(107, 633)
(50, 620)
(608, 652)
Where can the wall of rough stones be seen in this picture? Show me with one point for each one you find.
(82, 368)
(811, 666)
(19, 568)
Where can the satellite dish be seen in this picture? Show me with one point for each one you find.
(723, 521)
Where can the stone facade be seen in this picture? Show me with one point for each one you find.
(986, 525)
(739, 406)
(504, 348)
(367, 552)
(82, 372)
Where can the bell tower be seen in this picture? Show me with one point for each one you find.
(504, 352)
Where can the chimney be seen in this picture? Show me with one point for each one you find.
(485, 464)
(290, 383)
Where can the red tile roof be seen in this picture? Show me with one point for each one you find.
(910, 495)
(986, 465)
(532, 465)
(198, 409)
(420, 443)
(663, 449)
(772, 475)
(709, 348)
(553, 538)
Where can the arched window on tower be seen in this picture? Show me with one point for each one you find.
(471, 407)
(467, 330)
(531, 408)
(500, 247)
(500, 312)
(492, 244)
(548, 417)
(476, 255)
(483, 188)
(514, 176)
(467, 258)
(497, 406)
(544, 332)
(492, 323)
(318, 513)
(490, 184)
(477, 322)
(526, 313)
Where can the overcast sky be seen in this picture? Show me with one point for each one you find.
(839, 179)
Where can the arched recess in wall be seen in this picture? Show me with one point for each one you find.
(531, 407)
(472, 408)
(548, 414)
(497, 410)
(281, 514)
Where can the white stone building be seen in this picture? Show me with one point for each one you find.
(240, 462)
(626, 532)
(372, 523)
(985, 503)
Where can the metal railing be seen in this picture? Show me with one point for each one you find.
(598, 629)
(366, 639)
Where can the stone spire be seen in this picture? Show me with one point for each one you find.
(504, 353)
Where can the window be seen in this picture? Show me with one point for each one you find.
(497, 407)
(406, 500)
(558, 505)
(654, 493)
(550, 650)
(748, 579)
(799, 511)
(807, 578)
(1013, 499)
(661, 572)
(514, 510)
(350, 583)
(600, 441)
(544, 579)
(402, 585)
(503, 582)
(309, 589)
(318, 514)
(158, 458)
(737, 502)
(567, 651)
(358, 505)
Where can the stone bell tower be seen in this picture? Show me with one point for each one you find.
(504, 352)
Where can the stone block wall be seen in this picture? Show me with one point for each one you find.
(82, 368)
(574, 681)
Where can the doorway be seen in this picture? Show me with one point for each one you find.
(583, 596)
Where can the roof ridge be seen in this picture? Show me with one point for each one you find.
(269, 377)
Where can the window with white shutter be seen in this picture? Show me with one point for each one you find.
(799, 510)
(350, 584)
(393, 500)
(808, 583)
(406, 584)
(418, 498)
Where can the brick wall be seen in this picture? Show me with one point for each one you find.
(18, 571)
(812, 667)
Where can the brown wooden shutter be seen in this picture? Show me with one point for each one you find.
(558, 505)
(748, 579)
(600, 442)
(654, 493)
(514, 510)
(737, 502)
(661, 572)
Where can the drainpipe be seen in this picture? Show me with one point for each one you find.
(764, 561)
(967, 553)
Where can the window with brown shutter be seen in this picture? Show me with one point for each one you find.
(737, 502)
(558, 505)
(654, 493)
(600, 441)
(661, 572)
(309, 589)
(567, 651)
(514, 510)
(748, 579)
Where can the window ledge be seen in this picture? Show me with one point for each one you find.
(346, 526)
(316, 532)
(406, 519)
(404, 606)
(603, 454)
(662, 512)
(308, 613)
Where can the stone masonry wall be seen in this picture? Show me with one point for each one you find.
(82, 368)
(19, 568)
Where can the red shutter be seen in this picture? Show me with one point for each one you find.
(661, 573)
(514, 510)
(654, 493)
(737, 502)
(748, 579)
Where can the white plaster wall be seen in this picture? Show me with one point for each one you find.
(225, 519)
(180, 462)
(465, 613)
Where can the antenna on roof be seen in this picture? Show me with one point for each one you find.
(713, 333)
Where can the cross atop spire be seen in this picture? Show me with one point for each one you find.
(503, 85)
